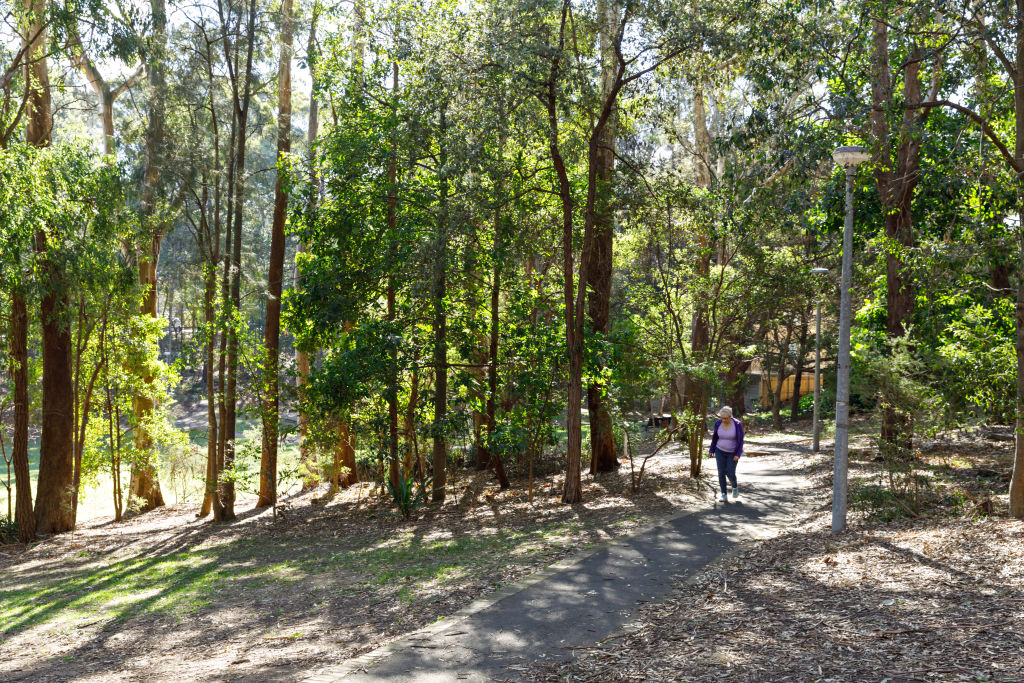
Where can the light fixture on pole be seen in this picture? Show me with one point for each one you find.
(817, 366)
(848, 157)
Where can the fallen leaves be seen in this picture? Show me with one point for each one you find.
(929, 600)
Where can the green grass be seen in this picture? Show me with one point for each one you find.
(33, 467)
(97, 501)
(407, 567)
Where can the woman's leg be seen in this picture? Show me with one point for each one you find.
(731, 470)
(722, 460)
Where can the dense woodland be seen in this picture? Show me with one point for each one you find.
(418, 236)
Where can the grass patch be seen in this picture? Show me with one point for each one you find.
(177, 583)
(407, 567)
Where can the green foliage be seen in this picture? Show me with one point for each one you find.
(409, 496)
(979, 352)
(8, 530)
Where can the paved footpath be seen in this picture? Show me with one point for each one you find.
(587, 599)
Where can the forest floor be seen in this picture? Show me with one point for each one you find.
(165, 595)
(928, 592)
(934, 594)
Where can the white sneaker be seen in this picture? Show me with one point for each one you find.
(735, 492)
(722, 498)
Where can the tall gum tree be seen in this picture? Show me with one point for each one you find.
(550, 91)
(145, 483)
(106, 92)
(999, 28)
(603, 456)
(897, 174)
(301, 357)
(240, 73)
(272, 330)
(53, 510)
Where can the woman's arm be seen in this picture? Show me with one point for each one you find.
(714, 437)
(739, 438)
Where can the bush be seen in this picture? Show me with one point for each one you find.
(826, 404)
(8, 531)
(403, 495)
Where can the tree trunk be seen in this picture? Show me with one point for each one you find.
(19, 373)
(780, 377)
(492, 353)
(241, 107)
(695, 396)
(1017, 477)
(896, 181)
(412, 458)
(392, 216)
(440, 455)
(798, 376)
(272, 330)
(144, 483)
(345, 456)
(301, 357)
(211, 241)
(603, 456)
(574, 298)
(736, 385)
(211, 394)
(53, 510)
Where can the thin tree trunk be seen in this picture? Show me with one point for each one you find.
(144, 483)
(1017, 477)
(301, 357)
(412, 446)
(19, 372)
(241, 106)
(272, 330)
(392, 215)
(211, 499)
(798, 376)
(83, 406)
(492, 359)
(440, 453)
(780, 375)
(574, 298)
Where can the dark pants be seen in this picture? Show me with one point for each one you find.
(726, 468)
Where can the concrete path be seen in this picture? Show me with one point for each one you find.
(589, 598)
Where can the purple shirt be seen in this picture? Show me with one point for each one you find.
(730, 441)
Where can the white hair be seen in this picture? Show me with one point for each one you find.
(725, 410)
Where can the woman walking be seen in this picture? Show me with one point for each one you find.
(727, 447)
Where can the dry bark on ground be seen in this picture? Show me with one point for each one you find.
(923, 600)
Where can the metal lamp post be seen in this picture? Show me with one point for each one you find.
(817, 366)
(847, 157)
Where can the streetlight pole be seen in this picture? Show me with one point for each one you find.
(848, 158)
(817, 366)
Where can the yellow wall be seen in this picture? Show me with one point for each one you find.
(768, 388)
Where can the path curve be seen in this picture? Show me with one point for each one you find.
(588, 598)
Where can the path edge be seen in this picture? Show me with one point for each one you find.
(368, 659)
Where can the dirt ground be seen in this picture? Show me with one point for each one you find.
(166, 596)
(935, 594)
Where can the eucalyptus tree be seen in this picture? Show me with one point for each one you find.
(996, 27)
(551, 61)
(53, 510)
(272, 330)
